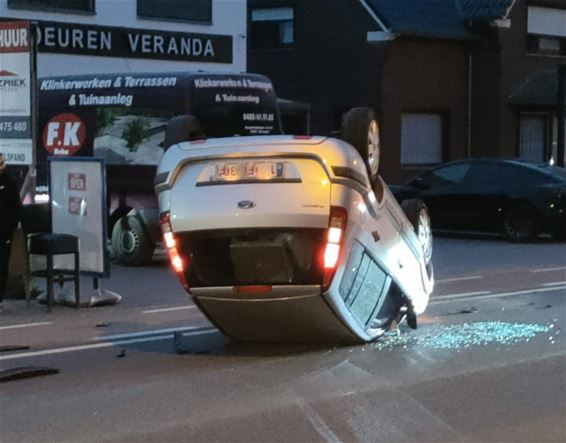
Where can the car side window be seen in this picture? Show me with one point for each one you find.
(452, 174)
(485, 174)
(503, 174)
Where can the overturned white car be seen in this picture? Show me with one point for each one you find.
(282, 238)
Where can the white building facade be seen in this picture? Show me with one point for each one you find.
(106, 36)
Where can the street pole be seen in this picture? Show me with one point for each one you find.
(29, 184)
(34, 109)
(561, 114)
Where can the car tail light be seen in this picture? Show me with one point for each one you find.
(334, 238)
(177, 262)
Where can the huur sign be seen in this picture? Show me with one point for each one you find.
(71, 38)
(15, 92)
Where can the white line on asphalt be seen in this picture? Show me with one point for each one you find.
(445, 280)
(561, 268)
(555, 283)
(177, 308)
(451, 298)
(26, 325)
(464, 294)
(319, 424)
(145, 333)
(94, 346)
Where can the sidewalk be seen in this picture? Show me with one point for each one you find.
(141, 288)
(152, 302)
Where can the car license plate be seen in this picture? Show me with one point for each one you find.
(241, 171)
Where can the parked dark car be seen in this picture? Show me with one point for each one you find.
(511, 197)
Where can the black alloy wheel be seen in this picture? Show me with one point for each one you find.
(520, 223)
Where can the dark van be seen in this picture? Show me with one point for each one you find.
(131, 119)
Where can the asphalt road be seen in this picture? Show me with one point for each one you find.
(487, 363)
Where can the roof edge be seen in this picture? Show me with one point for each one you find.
(374, 16)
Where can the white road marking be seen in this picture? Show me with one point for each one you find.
(94, 346)
(463, 294)
(555, 283)
(26, 325)
(177, 308)
(445, 280)
(319, 424)
(561, 268)
(144, 333)
(451, 298)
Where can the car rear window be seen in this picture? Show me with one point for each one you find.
(253, 257)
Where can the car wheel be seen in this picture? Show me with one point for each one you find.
(131, 244)
(417, 213)
(520, 223)
(362, 132)
(182, 128)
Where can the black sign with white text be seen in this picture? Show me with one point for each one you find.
(107, 41)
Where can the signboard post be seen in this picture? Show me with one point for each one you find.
(560, 156)
(16, 90)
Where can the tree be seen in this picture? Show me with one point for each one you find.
(135, 132)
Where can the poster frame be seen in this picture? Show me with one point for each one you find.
(103, 201)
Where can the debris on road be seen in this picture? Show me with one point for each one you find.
(12, 348)
(20, 373)
(470, 310)
(457, 337)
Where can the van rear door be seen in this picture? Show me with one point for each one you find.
(235, 104)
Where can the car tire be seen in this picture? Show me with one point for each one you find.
(361, 130)
(417, 213)
(131, 244)
(520, 223)
(182, 128)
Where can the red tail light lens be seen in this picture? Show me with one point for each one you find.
(334, 238)
(177, 262)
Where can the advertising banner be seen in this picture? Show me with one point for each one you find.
(15, 92)
(78, 207)
(111, 41)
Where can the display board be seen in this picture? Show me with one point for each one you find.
(77, 188)
(15, 92)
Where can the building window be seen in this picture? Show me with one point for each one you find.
(421, 139)
(54, 5)
(546, 31)
(199, 11)
(545, 45)
(272, 28)
(532, 138)
(554, 149)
